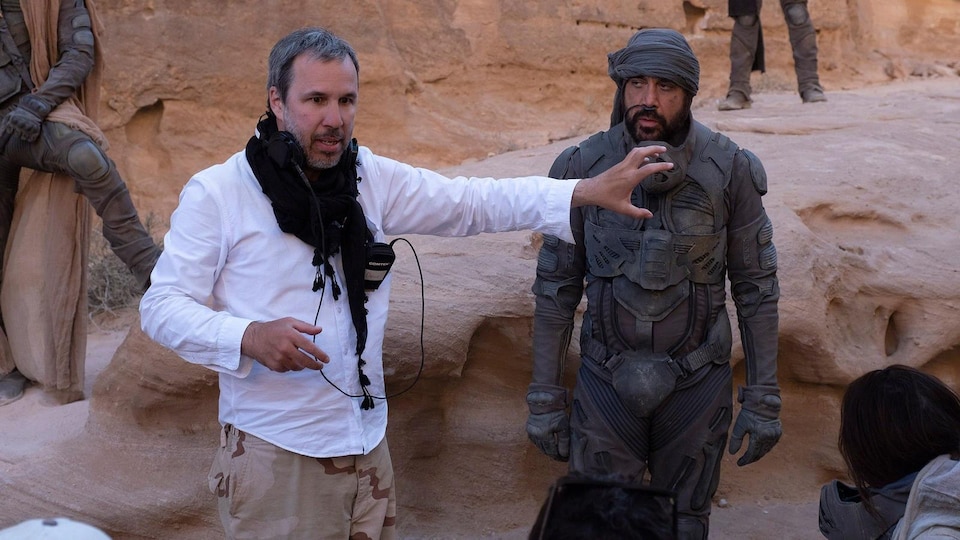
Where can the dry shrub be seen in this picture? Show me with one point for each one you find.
(110, 285)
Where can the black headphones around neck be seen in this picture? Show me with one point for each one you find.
(285, 151)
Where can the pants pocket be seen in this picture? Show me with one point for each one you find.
(218, 479)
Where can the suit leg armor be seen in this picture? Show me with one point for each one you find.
(99, 181)
(61, 149)
(683, 444)
(64, 150)
(689, 435)
(803, 41)
(604, 437)
(744, 43)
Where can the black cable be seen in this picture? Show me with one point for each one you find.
(366, 395)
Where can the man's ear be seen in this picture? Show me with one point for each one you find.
(276, 103)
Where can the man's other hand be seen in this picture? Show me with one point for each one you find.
(282, 345)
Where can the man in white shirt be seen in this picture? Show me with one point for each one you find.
(261, 279)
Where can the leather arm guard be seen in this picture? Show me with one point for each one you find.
(759, 418)
(76, 47)
(752, 269)
(558, 289)
(548, 426)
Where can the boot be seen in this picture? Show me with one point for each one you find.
(745, 54)
(734, 102)
(803, 42)
(11, 387)
(813, 95)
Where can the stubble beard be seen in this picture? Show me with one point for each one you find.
(322, 161)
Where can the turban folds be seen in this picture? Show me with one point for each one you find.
(653, 52)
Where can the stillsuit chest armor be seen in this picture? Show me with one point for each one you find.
(642, 272)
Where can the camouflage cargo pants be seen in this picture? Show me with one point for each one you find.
(264, 491)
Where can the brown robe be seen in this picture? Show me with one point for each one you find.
(43, 297)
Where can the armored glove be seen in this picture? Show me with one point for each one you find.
(25, 119)
(760, 418)
(547, 425)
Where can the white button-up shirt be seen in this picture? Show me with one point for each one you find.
(226, 263)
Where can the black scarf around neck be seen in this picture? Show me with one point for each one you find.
(323, 213)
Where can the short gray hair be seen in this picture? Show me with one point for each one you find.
(319, 43)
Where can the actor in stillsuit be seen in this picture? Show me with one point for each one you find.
(49, 93)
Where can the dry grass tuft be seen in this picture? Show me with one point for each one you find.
(110, 285)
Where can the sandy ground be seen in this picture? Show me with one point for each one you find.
(36, 420)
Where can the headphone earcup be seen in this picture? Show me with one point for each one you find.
(284, 150)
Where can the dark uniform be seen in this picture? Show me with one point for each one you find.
(28, 140)
(653, 399)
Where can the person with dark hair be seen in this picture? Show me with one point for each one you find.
(50, 66)
(580, 507)
(747, 51)
(263, 279)
(653, 397)
(900, 439)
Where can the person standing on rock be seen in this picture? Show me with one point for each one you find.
(49, 92)
(747, 51)
(265, 279)
(653, 396)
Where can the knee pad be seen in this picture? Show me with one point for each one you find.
(747, 20)
(796, 14)
(86, 161)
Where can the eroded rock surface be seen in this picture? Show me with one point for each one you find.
(861, 195)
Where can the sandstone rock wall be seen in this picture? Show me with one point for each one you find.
(443, 81)
(861, 197)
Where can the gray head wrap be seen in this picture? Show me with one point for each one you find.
(653, 52)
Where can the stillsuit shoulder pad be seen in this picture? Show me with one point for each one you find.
(757, 173)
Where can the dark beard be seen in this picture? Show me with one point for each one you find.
(669, 131)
